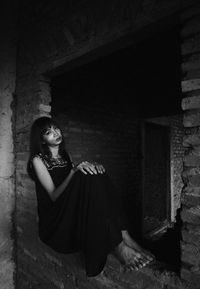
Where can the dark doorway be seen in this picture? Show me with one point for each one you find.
(155, 176)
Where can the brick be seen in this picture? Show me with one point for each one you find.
(190, 200)
(192, 63)
(44, 108)
(191, 172)
(27, 205)
(192, 228)
(196, 150)
(191, 27)
(190, 254)
(191, 180)
(193, 191)
(189, 75)
(191, 215)
(191, 118)
(22, 156)
(191, 237)
(191, 161)
(193, 279)
(191, 84)
(191, 45)
(192, 102)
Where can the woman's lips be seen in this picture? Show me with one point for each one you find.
(58, 138)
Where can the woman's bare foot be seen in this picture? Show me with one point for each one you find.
(132, 244)
(131, 258)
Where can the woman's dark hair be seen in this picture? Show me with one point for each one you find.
(39, 127)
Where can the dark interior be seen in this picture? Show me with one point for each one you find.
(142, 79)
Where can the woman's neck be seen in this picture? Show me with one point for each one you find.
(54, 151)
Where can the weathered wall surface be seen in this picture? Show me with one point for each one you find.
(191, 175)
(7, 194)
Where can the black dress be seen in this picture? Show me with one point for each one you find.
(86, 217)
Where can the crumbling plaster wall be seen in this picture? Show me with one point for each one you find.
(7, 192)
(190, 213)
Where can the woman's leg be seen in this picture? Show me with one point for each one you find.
(101, 225)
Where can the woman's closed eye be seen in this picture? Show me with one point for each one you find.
(47, 132)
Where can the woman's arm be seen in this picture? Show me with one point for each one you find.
(46, 180)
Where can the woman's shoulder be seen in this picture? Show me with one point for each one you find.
(33, 162)
(38, 158)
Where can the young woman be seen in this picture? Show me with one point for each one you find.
(78, 207)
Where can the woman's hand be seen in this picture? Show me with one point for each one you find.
(91, 168)
(100, 168)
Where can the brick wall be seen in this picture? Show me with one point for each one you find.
(190, 34)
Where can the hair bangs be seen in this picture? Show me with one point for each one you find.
(46, 124)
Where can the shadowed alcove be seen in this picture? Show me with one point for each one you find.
(119, 109)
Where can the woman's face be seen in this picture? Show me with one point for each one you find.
(52, 136)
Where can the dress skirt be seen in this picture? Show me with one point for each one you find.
(86, 217)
